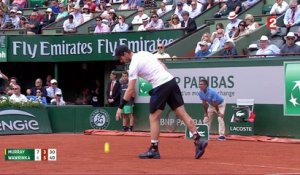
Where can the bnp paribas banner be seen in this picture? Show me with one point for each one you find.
(263, 84)
(84, 47)
(292, 88)
(3, 49)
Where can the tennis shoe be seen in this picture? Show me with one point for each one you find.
(150, 154)
(200, 148)
(221, 138)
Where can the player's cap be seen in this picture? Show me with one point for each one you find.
(203, 43)
(264, 38)
(232, 15)
(120, 50)
(53, 81)
(290, 35)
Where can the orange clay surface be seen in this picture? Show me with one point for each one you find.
(84, 154)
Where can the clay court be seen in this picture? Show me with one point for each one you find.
(84, 154)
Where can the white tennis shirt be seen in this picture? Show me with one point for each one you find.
(147, 66)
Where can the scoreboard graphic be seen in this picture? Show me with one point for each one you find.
(25, 154)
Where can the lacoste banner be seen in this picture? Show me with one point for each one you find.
(24, 121)
(292, 88)
(3, 49)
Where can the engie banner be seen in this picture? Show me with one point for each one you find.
(265, 84)
(3, 49)
(292, 88)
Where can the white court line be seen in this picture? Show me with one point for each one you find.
(258, 166)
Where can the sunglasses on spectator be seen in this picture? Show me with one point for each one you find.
(290, 38)
(159, 47)
(154, 16)
(54, 83)
(120, 18)
(242, 25)
(140, 11)
(38, 92)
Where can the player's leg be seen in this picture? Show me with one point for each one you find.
(175, 101)
(124, 122)
(221, 121)
(131, 121)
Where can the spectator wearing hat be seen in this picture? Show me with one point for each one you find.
(188, 23)
(232, 26)
(53, 89)
(62, 12)
(179, 9)
(58, 100)
(292, 15)
(112, 18)
(155, 23)
(229, 49)
(69, 25)
(290, 47)
(279, 7)
(20, 14)
(49, 17)
(161, 54)
(55, 7)
(142, 27)
(163, 9)
(138, 19)
(15, 20)
(100, 27)
(174, 23)
(121, 26)
(78, 18)
(205, 37)
(204, 50)
(266, 48)
(33, 25)
(230, 6)
(195, 9)
(86, 13)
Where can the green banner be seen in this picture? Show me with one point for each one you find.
(24, 121)
(88, 48)
(19, 154)
(202, 130)
(244, 128)
(292, 88)
(3, 49)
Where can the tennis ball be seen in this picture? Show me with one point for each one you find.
(106, 147)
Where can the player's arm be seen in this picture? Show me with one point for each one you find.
(129, 93)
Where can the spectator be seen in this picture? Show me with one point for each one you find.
(97, 95)
(15, 20)
(100, 27)
(229, 49)
(3, 7)
(163, 9)
(205, 37)
(241, 31)
(279, 7)
(124, 5)
(78, 18)
(55, 7)
(92, 6)
(106, 10)
(70, 6)
(219, 41)
(174, 23)
(112, 18)
(290, 47)
(69, 25)
(133, 4)
(179, 10)
(233, 25)
(230, 6)
(206, 4)
(62, 12)
(17, 97)
(53, 90)
(5, 21)
(113, 91)
(121, 26)
(161, 52)
(39, 86)
(249, 3)
(19, 4)
(142, 27)
(203, 51)
(58, 100)
(138, 19)
(40, 97)
(101, 7)
(28, 92)
(40, 16)
(214, 34)
(20, 14)
(48, 81)
(196, 9)
(292, 15)
(266, 48)
(33, 25)
(155, 23)
(49, 17)
(251, 24)
(84, 98)
(86, 13)
(188, 23)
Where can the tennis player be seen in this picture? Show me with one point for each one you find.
(165, 90)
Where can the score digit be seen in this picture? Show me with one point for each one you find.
(272, 22)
